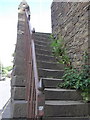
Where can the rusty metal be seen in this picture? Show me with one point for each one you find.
(31, 73)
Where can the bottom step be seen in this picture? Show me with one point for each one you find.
(66, 118)
(66, 109)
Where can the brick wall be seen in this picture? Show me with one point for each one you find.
(70, 20)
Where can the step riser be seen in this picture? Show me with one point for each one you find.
(58, 110)
(79, 110)
(51, 83)
(44, 52)
(50, 74)
(65, 118)
(62, 95)
(42, 34)
(45, 58)
(42, 43)
(42, 39)
(37, 46)
(49, 65)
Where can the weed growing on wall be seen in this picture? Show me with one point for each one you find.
(59, 51)
(74, 78)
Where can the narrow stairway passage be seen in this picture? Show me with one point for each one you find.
(59, 104)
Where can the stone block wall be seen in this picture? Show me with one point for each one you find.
(18, 82)
(19, 75)
(71, 21)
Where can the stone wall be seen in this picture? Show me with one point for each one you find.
(70, 20)
(19, 74)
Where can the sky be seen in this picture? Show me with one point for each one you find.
(40, 20)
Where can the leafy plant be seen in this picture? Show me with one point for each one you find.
(74, 78)
(79, 80)
(5, 70)
(59, 51)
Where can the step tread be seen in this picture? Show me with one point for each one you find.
(43, 50)
(66, 118)
(42, 33)
(49, 62)
(64, 103)
(56, 89)
(51, 79)
(48, 42)
(45, 55)
(42, 45)
(52, 70)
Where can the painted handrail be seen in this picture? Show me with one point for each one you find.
(32, 74)
(35, 75)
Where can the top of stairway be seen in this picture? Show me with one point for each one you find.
(42, 33)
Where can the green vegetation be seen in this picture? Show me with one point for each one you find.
(59, 51)
(74, 78)
(5, 70)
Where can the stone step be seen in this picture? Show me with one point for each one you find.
(46, 40)
(66, 118)
(42, 35)
(45, 47)
(66, 109)
(44, 52)
(62, 94)
(49, 65)
(50, 73)
(51, 82)
(42, 39)
(42, 42)
(42, 57)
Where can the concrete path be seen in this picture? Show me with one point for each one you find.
(4, 92)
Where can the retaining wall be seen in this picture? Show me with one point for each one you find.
(71, 21)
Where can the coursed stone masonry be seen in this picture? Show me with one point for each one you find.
(71, 21)
(18, 82)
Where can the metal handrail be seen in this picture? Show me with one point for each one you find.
(35, 74)
(32, 76)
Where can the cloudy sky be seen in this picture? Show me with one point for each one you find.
(40, 19)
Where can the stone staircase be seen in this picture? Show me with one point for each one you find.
(60, 104)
